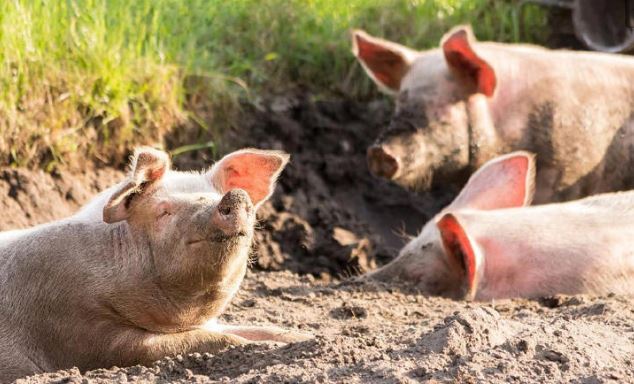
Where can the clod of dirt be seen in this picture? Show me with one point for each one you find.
(467, 332)
(349, 312)
(555, 356)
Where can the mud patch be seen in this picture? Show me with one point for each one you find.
(35, 197)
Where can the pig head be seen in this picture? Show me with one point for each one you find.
(489, 244)
(467, 102)
(504, 182)
(147, 281)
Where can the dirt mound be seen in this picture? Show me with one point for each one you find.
(36, 197)
(383, 334)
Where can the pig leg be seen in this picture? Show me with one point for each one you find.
(17, 360)
(15, 366)
(267, 333)
(157, 346)
(257, 333)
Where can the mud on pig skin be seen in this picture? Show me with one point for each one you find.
(487, 244)
(147, 281)
(466, 102)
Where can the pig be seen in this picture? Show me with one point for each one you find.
(489, 244)
(148, 280)
(467, 102)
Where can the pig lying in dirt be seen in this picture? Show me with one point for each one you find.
(467, 102)
(487, 244)
(145, 282)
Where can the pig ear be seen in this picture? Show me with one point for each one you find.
(385, 62)
(147, 167)
(463, 60)
(461, 253)
(504, 182)
(253, 170)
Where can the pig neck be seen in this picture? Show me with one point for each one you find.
(107, 272)
(168, 301)
(484, 140)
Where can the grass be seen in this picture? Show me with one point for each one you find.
(91, 78)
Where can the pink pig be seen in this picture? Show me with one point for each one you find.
(488, 244)
(467, 102)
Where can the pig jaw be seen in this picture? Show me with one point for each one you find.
(179, 298)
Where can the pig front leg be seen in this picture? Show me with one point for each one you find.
(268, 333)
(156, 346)
(257, 333)
(17, 365)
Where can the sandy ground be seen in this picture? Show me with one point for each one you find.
(371, 333)
(328, 220)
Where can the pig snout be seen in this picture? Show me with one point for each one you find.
(381, 162)
(231, 216)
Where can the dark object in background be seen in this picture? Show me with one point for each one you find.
(606, 26)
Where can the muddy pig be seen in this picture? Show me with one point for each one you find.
(488, 244)
(466, 102)
(147, 281)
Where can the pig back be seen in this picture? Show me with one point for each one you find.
(575, 110)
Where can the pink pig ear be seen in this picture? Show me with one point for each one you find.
(385, 62)
(505, 182)
(253, 170)
(147, 167)
(463, 60)
(460, 251)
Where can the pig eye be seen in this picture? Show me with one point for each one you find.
(163, 210)
(164, 213)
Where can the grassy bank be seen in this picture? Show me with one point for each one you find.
(91, 78)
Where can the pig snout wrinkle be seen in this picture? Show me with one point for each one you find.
(381, 163)
(231, 216)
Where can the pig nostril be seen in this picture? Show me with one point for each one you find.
(381, 163)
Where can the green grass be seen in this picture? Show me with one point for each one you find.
(92, 78)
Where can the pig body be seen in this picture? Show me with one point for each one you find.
(468, 102)
(147, 281)
(488, 244)
(585, 246)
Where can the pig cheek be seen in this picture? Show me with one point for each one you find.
(438, 279)
(165, 229)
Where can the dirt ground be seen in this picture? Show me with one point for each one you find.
(329, 220)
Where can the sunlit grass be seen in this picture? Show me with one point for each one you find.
(93, 77)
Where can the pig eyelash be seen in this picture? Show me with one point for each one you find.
(163, 214)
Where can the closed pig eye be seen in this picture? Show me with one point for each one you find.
(164, 210)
